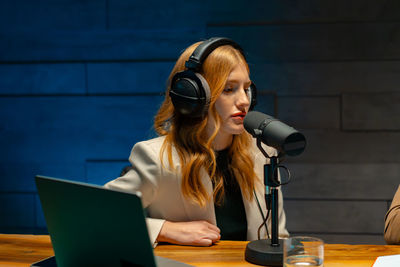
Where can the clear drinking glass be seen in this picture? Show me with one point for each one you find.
(303, 251)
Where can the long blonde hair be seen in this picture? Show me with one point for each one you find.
(189, 136)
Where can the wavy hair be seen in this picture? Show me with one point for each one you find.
(189, 136)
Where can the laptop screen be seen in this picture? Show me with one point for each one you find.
(93, 226)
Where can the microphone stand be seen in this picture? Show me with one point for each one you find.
(268, 251)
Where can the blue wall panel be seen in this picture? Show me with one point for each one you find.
(79, 122)
(36, 79)
(56, 135)
(40, 221)
(27, 15)
(128, 78)
(160, 44)
(18, 176)
(102, 171)
(17, 210)
(156, 14)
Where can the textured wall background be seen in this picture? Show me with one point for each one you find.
(81, 80)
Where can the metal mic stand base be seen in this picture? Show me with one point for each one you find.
(261, 252)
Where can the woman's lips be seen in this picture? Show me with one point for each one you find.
(239, 115)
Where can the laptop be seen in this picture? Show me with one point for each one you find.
(90, 225)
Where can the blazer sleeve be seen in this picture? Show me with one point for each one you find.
(144, 177)
(392, 221)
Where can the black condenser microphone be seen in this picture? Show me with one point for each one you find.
(275, 133)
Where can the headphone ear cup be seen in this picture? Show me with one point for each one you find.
(206, 91)
(253, 96)
(190, 94)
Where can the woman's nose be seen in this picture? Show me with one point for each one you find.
(243, 98)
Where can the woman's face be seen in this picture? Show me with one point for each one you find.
(233, 103)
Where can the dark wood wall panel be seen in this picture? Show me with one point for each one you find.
(364, 217)
(349, 181)
(372, 111)
(310, 112)
(316, 42)
(328, 146)
(328, 78)
(266, 102)
(300, 11)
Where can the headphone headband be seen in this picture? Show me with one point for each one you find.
(202, 51)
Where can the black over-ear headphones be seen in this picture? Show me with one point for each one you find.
(190, 92)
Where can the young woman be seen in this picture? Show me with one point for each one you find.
(202, 179)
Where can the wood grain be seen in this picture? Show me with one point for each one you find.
(22, 250)
(231, 253)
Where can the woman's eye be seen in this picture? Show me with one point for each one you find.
(228, 90)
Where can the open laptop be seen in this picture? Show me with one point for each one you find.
(90, 225)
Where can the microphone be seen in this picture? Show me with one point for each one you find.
(275, 133)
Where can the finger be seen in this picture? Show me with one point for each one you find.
(204, 242)
(213, 227)
(215, 238)
(212, 236)
(215, 234)
(211, 233)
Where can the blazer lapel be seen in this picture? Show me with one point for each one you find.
(193, 211)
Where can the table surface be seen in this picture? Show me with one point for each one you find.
(22, 250)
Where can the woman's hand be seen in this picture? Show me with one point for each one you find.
(196, 233)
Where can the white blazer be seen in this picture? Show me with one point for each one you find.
(163, 199)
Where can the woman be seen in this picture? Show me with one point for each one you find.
(201, 180)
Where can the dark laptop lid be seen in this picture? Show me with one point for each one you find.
(93, 226)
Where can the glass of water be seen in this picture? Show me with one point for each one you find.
(303, 251)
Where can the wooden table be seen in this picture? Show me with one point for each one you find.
(22, 250)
